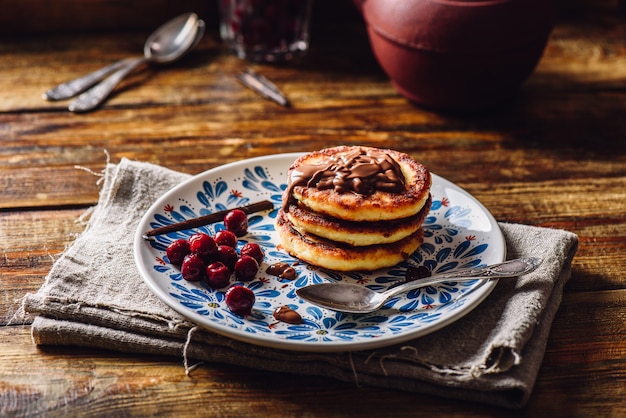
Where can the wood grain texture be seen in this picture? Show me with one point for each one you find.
(554, 156)
(102, 381)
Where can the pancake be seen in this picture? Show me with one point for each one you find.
(353, 233)
(342, 257)
(354, 208)
(388, 199)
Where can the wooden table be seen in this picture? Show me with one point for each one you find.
(554, 157)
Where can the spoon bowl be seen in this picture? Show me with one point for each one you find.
(170, 41)
(358, 299)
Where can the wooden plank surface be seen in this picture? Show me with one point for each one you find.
(575, 98)
(554, 157)
(593, 364)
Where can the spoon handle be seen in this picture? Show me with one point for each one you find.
(78, 85)
(511, 268)
(94, 97)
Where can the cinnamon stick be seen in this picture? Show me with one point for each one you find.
(207, 219)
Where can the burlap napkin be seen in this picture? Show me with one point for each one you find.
(94, 297)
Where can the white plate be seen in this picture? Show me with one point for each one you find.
(459, 232)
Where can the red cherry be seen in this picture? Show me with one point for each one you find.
(217, 275)
(193, 268)
(246, 268)
(227, 255)
(240, 300)
(177, 251)
(225, 237)
(415, 273)
(236, 221)
(253, 250)
(204, 245)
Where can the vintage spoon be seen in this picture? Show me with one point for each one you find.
(354, 298)
(167, 44)
(162, 47)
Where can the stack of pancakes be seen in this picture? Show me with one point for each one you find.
(354, 208)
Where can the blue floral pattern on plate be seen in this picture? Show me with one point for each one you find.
(459, 232)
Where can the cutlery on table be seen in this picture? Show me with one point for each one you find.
(355, 298)
(166, 44)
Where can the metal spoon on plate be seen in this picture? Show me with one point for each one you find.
(168, 43)
(354, 298)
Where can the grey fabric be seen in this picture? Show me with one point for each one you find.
(94, 297)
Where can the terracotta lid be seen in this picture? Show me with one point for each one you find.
(460, 25)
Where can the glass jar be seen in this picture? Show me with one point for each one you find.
(266, 30)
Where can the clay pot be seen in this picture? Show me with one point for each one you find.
(458, 54)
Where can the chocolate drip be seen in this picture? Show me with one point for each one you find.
(360, 171)
(282, 270)
(288, 315)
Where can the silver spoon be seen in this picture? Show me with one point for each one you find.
(73, 87)
(354, 298)
(167, 44)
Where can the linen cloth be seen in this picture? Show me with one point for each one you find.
(94, 297)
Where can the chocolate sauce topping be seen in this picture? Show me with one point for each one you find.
(282, 271)
(360, 171)
(288, 315)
